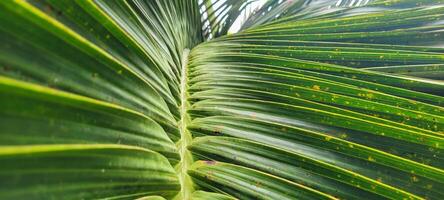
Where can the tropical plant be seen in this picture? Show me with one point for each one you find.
(153, 99)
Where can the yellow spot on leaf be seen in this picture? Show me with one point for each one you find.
(414, 179)
(328, 138)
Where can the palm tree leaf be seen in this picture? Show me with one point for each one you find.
(69, 118)
(316, 173)
(95, 81)
(429, 71)
(283, 84)
(310, 100)
(202, 195)
(247, 183)
(151, 198)
(84, 172)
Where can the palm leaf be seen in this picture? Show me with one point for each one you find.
(138, 99)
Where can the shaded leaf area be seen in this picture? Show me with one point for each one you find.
(84, 172)
(248, 183)
(429, 71)
(312, 106)
(89, 94)
(121, 52)
(55, 117)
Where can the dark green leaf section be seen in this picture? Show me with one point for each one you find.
(312, 100)
(420, 26)
(346, 102)
(429, 91)
(319, 173)
(90, 92)
(430, 71)
(120, 52)
(84, 172)
(249, 184)
(55, 117)
(63, 58)
(356, 37)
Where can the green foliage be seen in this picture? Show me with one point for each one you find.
(131, 99)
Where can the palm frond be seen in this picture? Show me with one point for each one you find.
(153, 100)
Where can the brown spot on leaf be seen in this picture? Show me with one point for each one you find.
(210, 162)
(6, 68)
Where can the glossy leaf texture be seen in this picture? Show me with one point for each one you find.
(308, 106)
(89, 94)
(84, 172)
(152, 100)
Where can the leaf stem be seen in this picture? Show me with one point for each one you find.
(185, 137)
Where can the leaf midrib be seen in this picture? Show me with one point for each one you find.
(185, 137)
